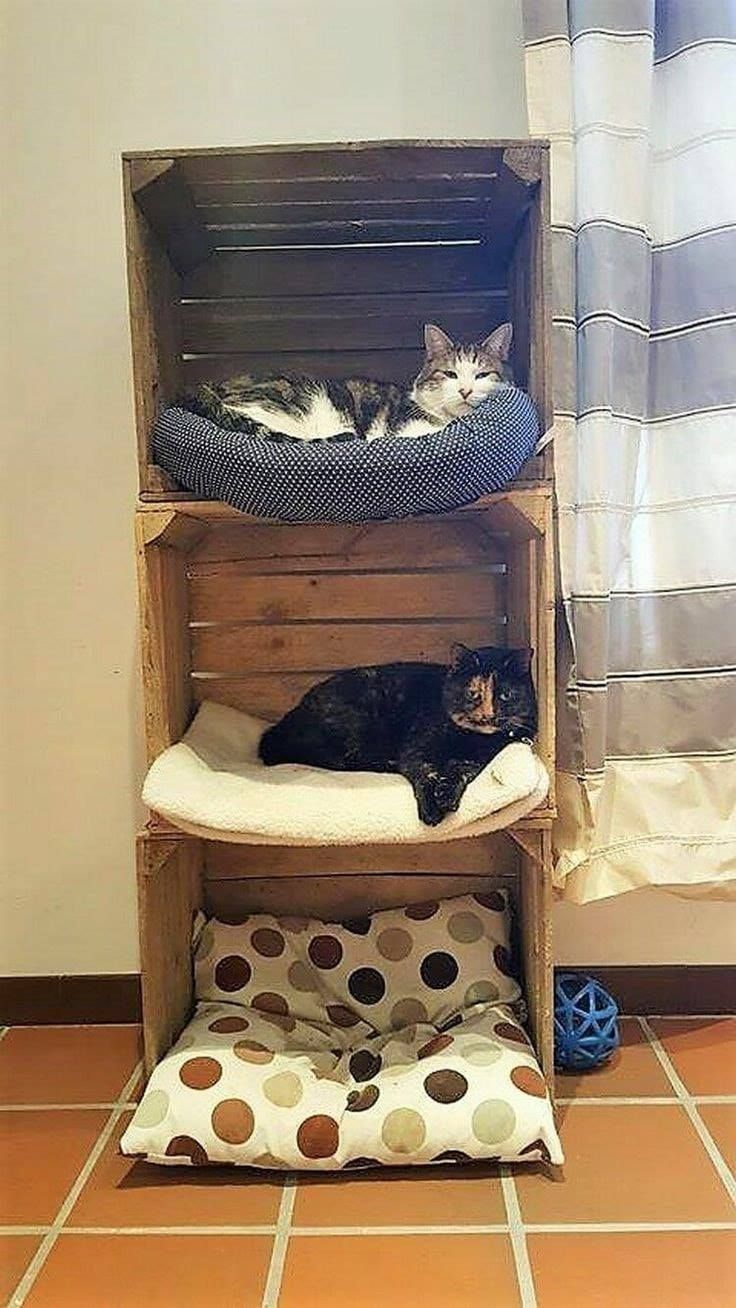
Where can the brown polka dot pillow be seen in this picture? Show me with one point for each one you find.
(423, 963)
(381, 1041)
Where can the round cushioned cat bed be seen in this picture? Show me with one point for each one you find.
(213, 784)
(350, 480)
(385, 1040)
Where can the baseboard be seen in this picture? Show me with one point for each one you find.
(670, 989)
(675, 989)
(76, 1000)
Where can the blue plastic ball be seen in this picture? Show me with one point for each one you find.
(586, 1022)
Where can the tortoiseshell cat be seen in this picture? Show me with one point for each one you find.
(454, 380)
(437, 726)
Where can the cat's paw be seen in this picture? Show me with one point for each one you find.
(448, 792)
(429, 802)
(429, 814)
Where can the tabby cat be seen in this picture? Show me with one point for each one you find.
(454, 379)
(437, 726)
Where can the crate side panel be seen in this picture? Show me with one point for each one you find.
(153, 292)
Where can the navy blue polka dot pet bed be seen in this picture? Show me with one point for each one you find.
(350, 480)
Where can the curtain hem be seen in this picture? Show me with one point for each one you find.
(679, 864)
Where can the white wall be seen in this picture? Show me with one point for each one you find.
(86, 79)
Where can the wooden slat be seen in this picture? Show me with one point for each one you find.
(224, 202)
(331, 899)
(501, 143)
(382, 365)
(340, 322)
(346, 271)
(163, 602)
(236, 596)
(339, 190)
(305, 646)
(424, 186)
(536, 947)
(494, 853)
(153, 289)
(169, 894)
(234, 231)
(451, 541)
(373, 161)
(521, 281)
(260, 694)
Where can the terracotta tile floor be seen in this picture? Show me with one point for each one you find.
(642, 1215)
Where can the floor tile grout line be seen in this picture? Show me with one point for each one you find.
(683, 1017)
(56, 1108)
(664, 1060)
(713, 1099)
(517, 1235)
(70, 1026)
(622, 1228)
(687, 1102)
(617, 1101)
(272, 1288)
(44, 1249)
(24, 1230)
(308, 1232)
(194, 1230)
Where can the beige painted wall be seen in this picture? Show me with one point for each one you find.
(86, 79)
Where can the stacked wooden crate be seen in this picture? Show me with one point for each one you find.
(329, 260)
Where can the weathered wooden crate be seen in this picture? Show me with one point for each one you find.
(178, 875)
(252, 613)
(328, 259)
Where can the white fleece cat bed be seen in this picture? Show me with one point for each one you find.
(385, 1040)
(213, 784)
(350, 480)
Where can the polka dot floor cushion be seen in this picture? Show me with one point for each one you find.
(350, 480)
(386, 1040)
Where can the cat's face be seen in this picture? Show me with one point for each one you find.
(457, 378)
(491, 689)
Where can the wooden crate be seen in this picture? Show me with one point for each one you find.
(178, 875)
(328, 259)
(253, 613)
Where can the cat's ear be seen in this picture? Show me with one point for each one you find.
(436, 341)
(518, 662)
(462, 658)
(499, 341)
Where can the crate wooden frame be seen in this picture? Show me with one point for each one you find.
(179, 875)
(250, 612)
(220, 277)
(191, 558)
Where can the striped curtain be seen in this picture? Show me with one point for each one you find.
(638, 99)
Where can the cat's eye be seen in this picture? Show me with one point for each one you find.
(480, 375)
(450, 374)
(505, 696)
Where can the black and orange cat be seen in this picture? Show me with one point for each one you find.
(436, 725)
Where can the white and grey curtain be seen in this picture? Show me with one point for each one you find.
(638, 99)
